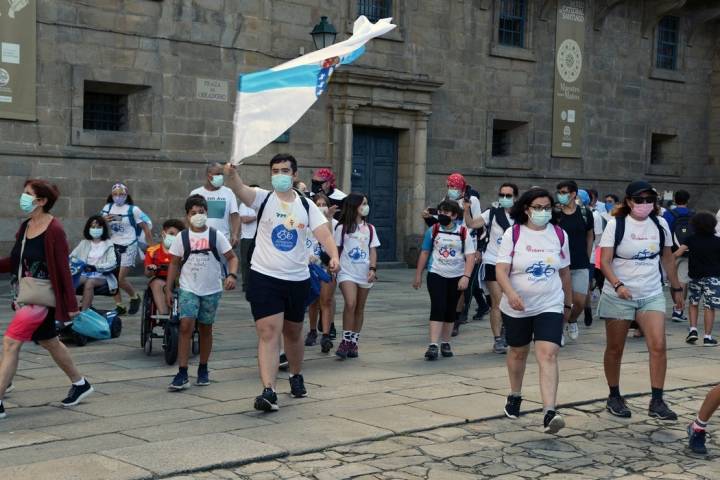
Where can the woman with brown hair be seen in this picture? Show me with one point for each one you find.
(40, 256)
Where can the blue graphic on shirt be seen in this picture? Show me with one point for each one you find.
(446, 252)
(357, 254)
(643, 255)
(317, 250)
(539, 270)
(284, 239)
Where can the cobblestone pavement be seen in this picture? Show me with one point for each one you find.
(133, 428)
(593, 446)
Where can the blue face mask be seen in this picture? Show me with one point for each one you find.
(454, 194)
(281, 182)
(609, 206)
(217, 181)
(505, 202)
(563, 198)
(96, 232)
(27, 203)
(540, 218)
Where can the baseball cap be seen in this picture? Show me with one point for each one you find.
(639, 186)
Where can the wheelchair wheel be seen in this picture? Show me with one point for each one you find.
(195, 343)
(172, 332)
(116, 328)
(80, 340)
(145, 320)
(147, 348)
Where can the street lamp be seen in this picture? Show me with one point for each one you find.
(323, 34)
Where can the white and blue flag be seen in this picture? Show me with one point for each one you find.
(271, 101)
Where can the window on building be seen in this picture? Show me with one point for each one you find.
(513, 16)
(500, 143)
(663, 149)
(105, 111)
(374, 10)
(509, 137)
(668, 40)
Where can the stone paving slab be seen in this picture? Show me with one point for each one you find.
(401, 418)
(72, 468)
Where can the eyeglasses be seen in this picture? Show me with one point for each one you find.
(640, 200)
(505, 195)
(541, 208)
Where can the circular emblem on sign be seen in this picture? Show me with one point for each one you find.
(4, 77)
(563, 115)
(566, 131)
(569, 60)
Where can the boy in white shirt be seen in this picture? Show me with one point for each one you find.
(196, 259)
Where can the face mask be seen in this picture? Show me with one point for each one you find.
(169, 239)
(96, 232)
(540, 219)
(217, 181)
(642, 210)
(364, 210)
(316, 186)
(454, 194)
(609, 206)
(505, 202)
(281, 182)
(119, 199)
(444, 220)
(563, 198)
(198, 220)
(324, 210)
(27, 203)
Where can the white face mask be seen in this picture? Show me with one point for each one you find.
(324, 210)
(198, 220)
(364, 210)
(168, 240)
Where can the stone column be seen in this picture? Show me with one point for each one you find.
(345, 176)
(419, 165)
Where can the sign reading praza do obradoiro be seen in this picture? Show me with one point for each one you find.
(17, 59)
(567, 95)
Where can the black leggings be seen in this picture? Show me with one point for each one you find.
(444, 296)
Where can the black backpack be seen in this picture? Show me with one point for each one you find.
(251, 247)
(185, 238)
(682, 229)
(620, 233)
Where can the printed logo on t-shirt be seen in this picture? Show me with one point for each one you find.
(644, 236)
(446, 252)
(644, 254)
(216, 208)
(539, 271)
(284, 239)
(357, 255)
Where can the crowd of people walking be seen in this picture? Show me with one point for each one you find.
(533, 261)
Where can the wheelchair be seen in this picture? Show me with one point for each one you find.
(170, 325)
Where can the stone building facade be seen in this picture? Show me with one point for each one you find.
(432, 97)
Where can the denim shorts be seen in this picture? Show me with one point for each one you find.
(580, 280)
(615, 308)
(708, 289)
(201, 308)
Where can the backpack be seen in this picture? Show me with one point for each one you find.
(251, 247)
(516, 236)
(681, 230)
(185, 237)
(130, 216)
(463, 233)
(620, 233)
(372, 233)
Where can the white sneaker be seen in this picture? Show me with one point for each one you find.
(10, 388)
(562, 340)
(573, 331)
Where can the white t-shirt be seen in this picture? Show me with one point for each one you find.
(95, 255)
(448, 257)
(535, 274)
(355, 257)
(312, 244)
(633, 267)
(496, 234)
(598, 230)
(202, 273)
(247, 230)
(280, 248)
(337, 195)
(221, 204)
(121, 231)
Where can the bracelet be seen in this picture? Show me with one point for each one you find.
(467, 277)
(676, 290)
(374, 269)
(234, 275)
(618, 285)
(568, 307)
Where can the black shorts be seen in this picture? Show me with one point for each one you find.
(47, 329)
(489, 274)
(270, 296)
(546, 326)
(444, 296)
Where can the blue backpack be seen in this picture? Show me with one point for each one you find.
(130, 216)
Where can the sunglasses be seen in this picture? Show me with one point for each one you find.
(505, 195)
(640, 200)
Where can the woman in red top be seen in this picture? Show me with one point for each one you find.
(41, 251)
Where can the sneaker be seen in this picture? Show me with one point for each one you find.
(692, 337)
(553, 422)
(588, 316)
(573, 331)
(311, 338)
(267, 401)
(696, 439)
(709, 342)
(677, 317)
(203, 378)
(77, 393)
(446, 350)
(343, 349)
(9, 388)
(134, 305)
(2, 411)
(659, 409)
(180, 382)
(617, 406)
(499, 346)
(562, 340)
(512, 406)
(326, 344)
(283, 364)
(431, 353)
(120, 309)
(333, 332)
(455, 330)
(297, 386)
(354, 351)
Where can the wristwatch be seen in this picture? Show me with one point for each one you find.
(618, 285)
(568, 307)
(234, 275)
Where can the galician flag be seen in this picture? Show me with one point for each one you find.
(271, 101)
